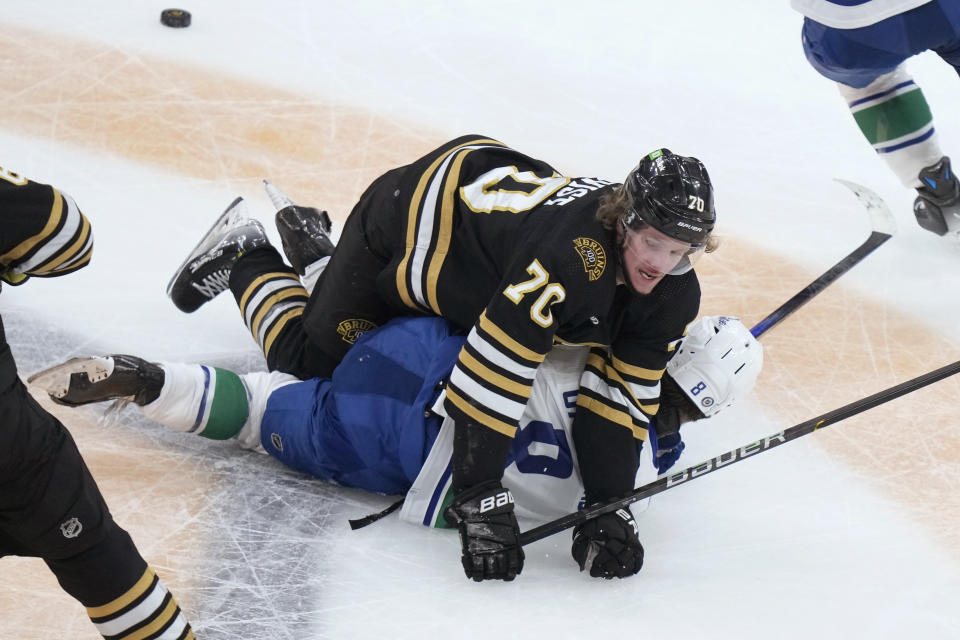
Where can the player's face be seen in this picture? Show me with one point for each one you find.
(648, 255)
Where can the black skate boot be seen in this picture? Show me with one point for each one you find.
(304, 231)
(938, 204)
(305, 235)
(80, 381)
(206, 271)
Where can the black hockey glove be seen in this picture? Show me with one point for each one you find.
(608, 545)
(489, 533)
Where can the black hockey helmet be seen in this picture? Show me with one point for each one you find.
(672, 194)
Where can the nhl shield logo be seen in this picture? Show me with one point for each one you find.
(353, 328)
(593, 256)
(71, 528)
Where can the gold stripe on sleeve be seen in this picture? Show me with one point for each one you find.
(637, 372)
(493, 377)
(56, 212)
(613, 415)
(487, 421)
(70, 252)
(500, 336)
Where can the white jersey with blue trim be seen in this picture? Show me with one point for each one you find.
(853, 14)
(542, 471)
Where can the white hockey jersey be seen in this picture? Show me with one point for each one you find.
(853, 14)
(542, 471)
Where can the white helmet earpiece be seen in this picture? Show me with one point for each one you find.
(717, 362)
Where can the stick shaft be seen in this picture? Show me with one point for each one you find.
(741, 453)
(803, 297)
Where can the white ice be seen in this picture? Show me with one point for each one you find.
(795, 543)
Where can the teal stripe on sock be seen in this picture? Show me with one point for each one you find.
(896, 117)
(228, 407)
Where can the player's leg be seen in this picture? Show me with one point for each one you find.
(310, 340)
(51, 508)
(893, 115)
(208, 401)
(889, 108)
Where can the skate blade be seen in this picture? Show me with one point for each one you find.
(231, 216)
(55, 381)
(279, 199)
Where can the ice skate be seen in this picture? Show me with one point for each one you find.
(304, 231)
(206, 271)
(937, 208)
(80, 381)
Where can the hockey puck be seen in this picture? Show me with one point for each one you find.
(177, 18)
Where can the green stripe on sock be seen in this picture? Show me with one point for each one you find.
(895, 117)
(228, 408)
(441, 522)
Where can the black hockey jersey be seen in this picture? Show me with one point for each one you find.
(42, 232)
(507, 247)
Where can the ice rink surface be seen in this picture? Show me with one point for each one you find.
(852, 532)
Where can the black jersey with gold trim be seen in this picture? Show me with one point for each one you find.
(42, 231)
(511, 250)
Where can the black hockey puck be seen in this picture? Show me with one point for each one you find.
(177, 18)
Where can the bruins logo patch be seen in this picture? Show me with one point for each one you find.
(353, 328)
(593, 256)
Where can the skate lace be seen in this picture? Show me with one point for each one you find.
(213, 283)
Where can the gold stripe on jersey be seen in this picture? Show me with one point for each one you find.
(53, 221)
(485, 372)
(558, 340)
(444, 229)
(600, 379)
(75, 252)
(637, 393)
(605, 408)
(509, 343)
(644, 375)
(471, 411)
(77, 263)
(494, 377)
(416, 214)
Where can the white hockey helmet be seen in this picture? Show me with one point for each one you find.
(717, 362)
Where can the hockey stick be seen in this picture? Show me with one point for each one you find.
(883, 227)
(736, 455)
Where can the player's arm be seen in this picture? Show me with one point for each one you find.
(620, 391)
(42, 231)
(486, 395)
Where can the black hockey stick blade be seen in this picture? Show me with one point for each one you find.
(882, 229)
(736, 455)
